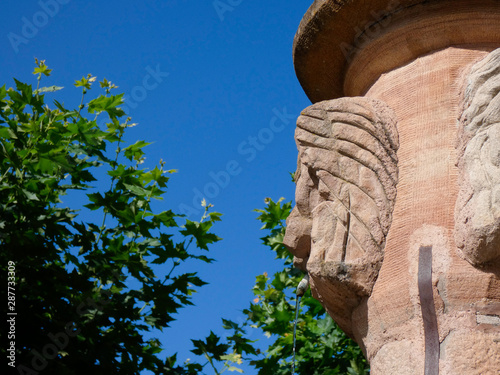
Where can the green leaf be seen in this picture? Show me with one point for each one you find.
(7, 133)
(48, 89)
(3, 92)
(45, 165)
(200, 232)
(61, 107)
(30, 195)
(210, 346)
(84, 82)
(26, 91)
(166, 218)
(41, 68)
(134, 152)
(108, 104)
(137, 190)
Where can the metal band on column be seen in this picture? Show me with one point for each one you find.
(428, 311)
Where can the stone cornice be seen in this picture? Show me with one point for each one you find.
(334, 33)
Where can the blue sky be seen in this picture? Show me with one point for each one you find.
(212, 84)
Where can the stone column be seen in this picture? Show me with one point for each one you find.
(398, 184)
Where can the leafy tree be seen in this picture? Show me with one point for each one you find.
(85, 293)
(322, 348)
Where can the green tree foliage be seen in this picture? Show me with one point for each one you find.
(322, 348)
(85, 293)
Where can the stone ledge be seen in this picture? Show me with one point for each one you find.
(333, 33)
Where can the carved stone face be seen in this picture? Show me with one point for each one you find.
(477, 213)
(346, 189)
(424, 295)
(347, 180)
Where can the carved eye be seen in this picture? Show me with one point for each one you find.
(324, 191)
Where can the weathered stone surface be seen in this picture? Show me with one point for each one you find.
(477, 215)
(346, 188)
(426, 97)
(419, 63)
(333, 33)
(482, 356)
(402, 359)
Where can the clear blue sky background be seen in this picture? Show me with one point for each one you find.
(229, 74)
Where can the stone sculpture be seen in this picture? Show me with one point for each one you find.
(346, 189)
(477, 217)
(397, 217)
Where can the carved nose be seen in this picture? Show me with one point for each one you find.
(298, 234)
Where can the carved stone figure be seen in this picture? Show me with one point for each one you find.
(477, 217)
(346, 189)
(397, 217)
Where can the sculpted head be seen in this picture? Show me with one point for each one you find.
(346, 188)
(347, 179)
(477, 212)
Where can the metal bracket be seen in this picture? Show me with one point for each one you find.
(429, 316)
